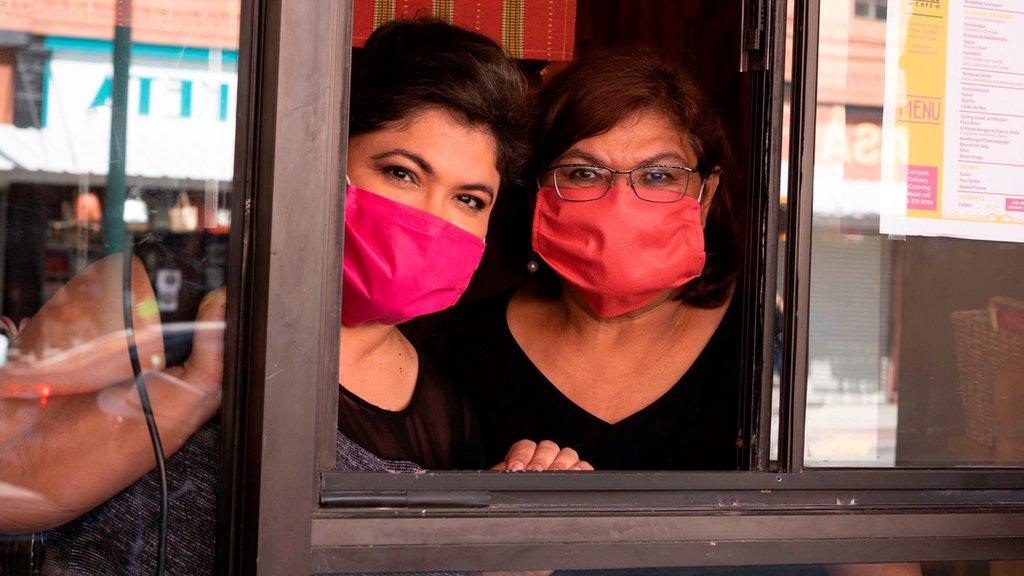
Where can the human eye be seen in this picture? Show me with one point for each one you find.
(583, 175)
(475, 203)
(399, 174)
(659, 176)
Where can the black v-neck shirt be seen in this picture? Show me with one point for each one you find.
(692, 426)
(436, 430)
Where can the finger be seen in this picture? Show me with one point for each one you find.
(520, 454)
(500, 467)
(543, 456)
(206, 351)
(582, 465)
(209, 331)
(564, 460)
(213, 305)
(212, 311)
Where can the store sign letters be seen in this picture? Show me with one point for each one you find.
(157, 91)
(177, 95)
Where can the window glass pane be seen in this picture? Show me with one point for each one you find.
(117, 125)
(784, 216)
(916, 342)
(458, 389)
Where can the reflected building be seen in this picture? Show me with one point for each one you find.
(887, 380)
(55, 111)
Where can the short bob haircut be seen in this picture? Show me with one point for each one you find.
(407, 66)
(593, 94)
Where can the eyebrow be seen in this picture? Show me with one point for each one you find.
(415, 158)
(590, 158)
(429, 170)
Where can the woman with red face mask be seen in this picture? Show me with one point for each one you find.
(618, 350)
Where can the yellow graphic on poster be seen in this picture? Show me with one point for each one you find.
(953, 133)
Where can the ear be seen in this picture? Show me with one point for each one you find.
(710, 186)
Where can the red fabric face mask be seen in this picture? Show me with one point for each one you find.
(620, 253)
(401, 262)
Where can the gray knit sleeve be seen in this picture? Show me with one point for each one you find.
(351, 456)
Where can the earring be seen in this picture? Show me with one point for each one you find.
(532, 265)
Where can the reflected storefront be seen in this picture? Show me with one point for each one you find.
(181, 114)
(895, 377)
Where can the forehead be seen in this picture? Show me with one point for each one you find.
(636, 138)
(454, 149)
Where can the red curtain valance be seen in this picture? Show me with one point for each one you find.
(531, 29)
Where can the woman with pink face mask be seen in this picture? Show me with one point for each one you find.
(437, 115)
(618, 347)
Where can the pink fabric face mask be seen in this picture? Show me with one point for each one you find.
(619, 253)
(401, 262)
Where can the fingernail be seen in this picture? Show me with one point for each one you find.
(535, 468)
(516, 466)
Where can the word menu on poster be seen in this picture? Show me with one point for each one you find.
(953, 124)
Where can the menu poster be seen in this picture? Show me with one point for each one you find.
(953, 123)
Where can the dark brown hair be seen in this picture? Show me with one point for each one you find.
(592, 95)
(410, 65)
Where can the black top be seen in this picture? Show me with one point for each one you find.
(437, 430)
(693, 426)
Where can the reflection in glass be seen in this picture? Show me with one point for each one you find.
(98, 161)
(916, 350)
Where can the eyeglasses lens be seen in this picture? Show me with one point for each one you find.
(661, 183)
(581, 183)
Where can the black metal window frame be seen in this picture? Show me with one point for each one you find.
(284, 511)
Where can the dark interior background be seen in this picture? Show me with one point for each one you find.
(705, 36)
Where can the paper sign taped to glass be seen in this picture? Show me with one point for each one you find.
(953, 131)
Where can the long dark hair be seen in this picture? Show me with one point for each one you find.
(594, 94)
(410, 65)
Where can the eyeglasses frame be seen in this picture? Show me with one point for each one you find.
(629, 179)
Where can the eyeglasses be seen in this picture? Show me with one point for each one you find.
(584, 183)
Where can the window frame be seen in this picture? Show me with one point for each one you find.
(293, 56)
(283, 511)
